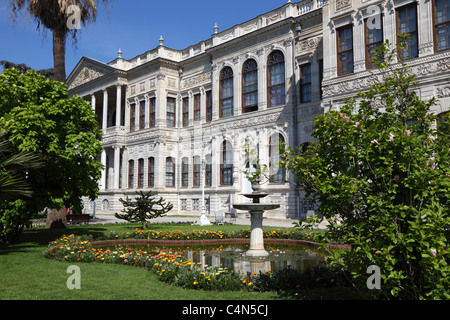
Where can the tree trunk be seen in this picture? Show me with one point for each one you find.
(59, 54)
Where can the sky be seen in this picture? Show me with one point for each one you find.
(134, 26)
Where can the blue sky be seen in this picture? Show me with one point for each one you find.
(135, 26)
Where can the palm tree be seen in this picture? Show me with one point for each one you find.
(54, 15)
(13, 169)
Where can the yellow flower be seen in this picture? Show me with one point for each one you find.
(195, 282)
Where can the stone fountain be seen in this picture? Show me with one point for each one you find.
(256, 210)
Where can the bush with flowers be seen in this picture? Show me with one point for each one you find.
(280, 233)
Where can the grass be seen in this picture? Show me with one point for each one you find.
(26, 275)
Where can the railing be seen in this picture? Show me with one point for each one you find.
(307, 6)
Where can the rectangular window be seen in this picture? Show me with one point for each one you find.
(151, 172)
(131, 174)
(142, 115)
(407, 25)
(132, 117)
(441, 10)
(197, 169)
(152, 110)
(171, 112)
(185, 112)
(226, 166)
(208, 171)
(170, 172)
(373, 30)
(345, 50)
(227, 100)
(197, 105)
(184, 173)
(208, 106)
(305, 83)
(141, 173)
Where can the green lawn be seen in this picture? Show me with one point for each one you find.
(26, 275)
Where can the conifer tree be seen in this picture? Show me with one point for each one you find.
(144, 207)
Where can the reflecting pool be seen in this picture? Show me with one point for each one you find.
(233, 256)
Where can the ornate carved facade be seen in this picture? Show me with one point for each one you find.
(176, 121)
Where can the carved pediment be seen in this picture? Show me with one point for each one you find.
(87, 70)
(88, 73)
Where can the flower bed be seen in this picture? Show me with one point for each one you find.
(176, 270)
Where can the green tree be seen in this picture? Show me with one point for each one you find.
(58, 17)
(144, 207)
(48, 73)
(379, 171)
(39, 117)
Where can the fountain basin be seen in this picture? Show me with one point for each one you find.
(256, 211)
(256, 206)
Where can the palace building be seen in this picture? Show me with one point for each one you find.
(177, 121)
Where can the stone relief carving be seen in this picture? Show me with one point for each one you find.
(342, 4)
(87, 74)
(443, 92)
(196, 80)
(309, 44)
(275, 17)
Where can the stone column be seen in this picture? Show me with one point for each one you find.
(104, 171)
(147, 112)
(105, 109)
(116, 167)
(256, 237)
(119, 105)
(93, 102)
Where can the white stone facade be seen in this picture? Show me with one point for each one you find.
(183, 106)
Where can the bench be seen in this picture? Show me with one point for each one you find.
(78, 218)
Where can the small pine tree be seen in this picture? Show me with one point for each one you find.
(144, 207)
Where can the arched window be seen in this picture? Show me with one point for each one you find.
(276, 147)
(276, 80)
(131, 174)
(250, 86)
(226, 164)
(226, 93)
(151, 172)
(170, 172)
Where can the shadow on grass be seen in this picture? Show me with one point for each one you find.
(38, 237)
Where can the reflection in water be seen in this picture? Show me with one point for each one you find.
(233, 257)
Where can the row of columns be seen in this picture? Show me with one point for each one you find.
(117, 149)
(116, 181)
(105, 105)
